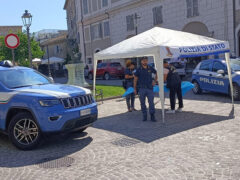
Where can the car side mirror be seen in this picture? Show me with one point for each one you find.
(51, 79)
(221, 72)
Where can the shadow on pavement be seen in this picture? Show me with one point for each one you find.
(209, 96)
(131, 124)
(56, 147)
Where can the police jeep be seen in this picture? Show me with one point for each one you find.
(31, 105)
(212, 75)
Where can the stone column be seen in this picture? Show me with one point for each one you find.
(76, 75)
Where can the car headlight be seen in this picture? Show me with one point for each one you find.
(47, 103)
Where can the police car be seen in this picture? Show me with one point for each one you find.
(212, 75)
(31, 105)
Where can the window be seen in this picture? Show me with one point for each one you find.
(218, 66)
(106, 29)
(85, 6)
(57, 50)
(104, 3)
(205, 66)
(130, 22)
(157, 15)
(87, 34)
(115, 65)
(192, 8)
(89, 60)
(96, 31)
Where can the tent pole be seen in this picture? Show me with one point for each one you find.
(94, 75)
(159, 66)
(227, 57)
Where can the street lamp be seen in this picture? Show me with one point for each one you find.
(27, 21)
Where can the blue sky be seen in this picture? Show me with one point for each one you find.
(47, 14)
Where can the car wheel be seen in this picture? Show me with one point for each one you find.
(236, 92)
(81, 130)
(196, 89)
(107, 76)
(24, 132)
(90, 76)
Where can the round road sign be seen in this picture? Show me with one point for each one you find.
(12, 41)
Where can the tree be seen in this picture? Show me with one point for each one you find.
(21, 53)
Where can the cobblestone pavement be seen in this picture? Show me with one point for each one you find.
(203, 142)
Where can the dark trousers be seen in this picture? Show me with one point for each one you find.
(130, 99)
(173, 91)
(143, 93)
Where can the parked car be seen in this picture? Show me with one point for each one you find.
(212, 75)
(180, 69)
(31, 105)
(108, 70)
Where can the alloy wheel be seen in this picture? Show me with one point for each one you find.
(26, 131)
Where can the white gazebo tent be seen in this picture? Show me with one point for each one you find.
(164, 43)
(53, 60)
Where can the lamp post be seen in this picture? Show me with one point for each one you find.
(27, 21)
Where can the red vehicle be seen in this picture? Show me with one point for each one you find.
(108, 70)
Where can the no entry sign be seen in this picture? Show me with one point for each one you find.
(12, 41)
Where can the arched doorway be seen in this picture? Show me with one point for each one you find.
(200, 29)
(197, 28)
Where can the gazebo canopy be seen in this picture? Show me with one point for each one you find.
(164, 43)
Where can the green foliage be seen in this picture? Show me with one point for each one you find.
(68, 59)
(21, 53)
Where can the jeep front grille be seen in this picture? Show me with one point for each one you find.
(77, 101)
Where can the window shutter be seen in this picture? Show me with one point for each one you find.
(92, 33)
(100, 31)
(195, 8)
(130, 22)
(85, 6)
(154, 16)
(189, 8)
(157, 15)
(104, 3)
(106, 29)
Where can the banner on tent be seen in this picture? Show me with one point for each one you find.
(203, 49)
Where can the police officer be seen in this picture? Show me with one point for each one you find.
(143, 79)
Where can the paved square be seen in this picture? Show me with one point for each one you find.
(203, 142)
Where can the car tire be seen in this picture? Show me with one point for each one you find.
(90, 76)
(81, 130)
(236, 92)
(24, 132)
(107, 76)
(197, 89)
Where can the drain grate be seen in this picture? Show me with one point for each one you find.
(125, 142)
(55, 162)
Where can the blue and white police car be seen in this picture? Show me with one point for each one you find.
(31, 105)
(212, 75)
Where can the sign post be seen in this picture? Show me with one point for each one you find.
(12, 41)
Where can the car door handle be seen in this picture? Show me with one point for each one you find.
(197, 72)
(210, 74)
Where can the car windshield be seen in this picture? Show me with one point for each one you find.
(115, 64)
(235, 64)
(22, 78)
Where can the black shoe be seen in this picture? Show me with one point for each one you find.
(144, 118)
(153, 118)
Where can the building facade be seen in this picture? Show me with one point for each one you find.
(5, 30)
(55, 47)
(102, 23)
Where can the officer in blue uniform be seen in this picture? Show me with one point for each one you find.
(143, 80)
